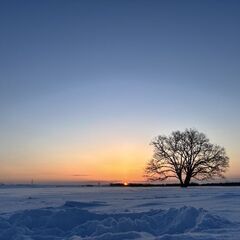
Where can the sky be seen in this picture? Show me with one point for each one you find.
(86, 85)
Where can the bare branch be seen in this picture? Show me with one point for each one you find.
(186, 155)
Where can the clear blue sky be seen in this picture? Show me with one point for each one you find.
(86, 85)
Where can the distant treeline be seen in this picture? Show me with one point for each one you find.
(226, 184)
(173, 184)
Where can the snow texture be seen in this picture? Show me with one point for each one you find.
(100, 220)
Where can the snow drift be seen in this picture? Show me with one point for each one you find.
(73, 221)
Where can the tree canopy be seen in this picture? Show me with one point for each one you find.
(186, 155)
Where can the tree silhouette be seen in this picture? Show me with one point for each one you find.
(186, 155)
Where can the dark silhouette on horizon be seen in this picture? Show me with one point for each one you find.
(186, 155)
(192, 184)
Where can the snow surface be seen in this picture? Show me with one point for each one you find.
(103, 213)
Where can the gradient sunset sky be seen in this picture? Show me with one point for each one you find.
(86, 85)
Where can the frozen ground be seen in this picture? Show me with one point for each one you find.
(74, 213)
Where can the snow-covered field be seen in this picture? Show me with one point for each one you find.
(50, 213)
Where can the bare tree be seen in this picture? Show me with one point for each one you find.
(186, 155)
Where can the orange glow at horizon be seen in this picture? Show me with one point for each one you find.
(124, 163)
(105, 162)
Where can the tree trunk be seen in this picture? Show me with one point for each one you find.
(187, 181)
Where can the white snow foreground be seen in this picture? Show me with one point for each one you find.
(73, 222)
